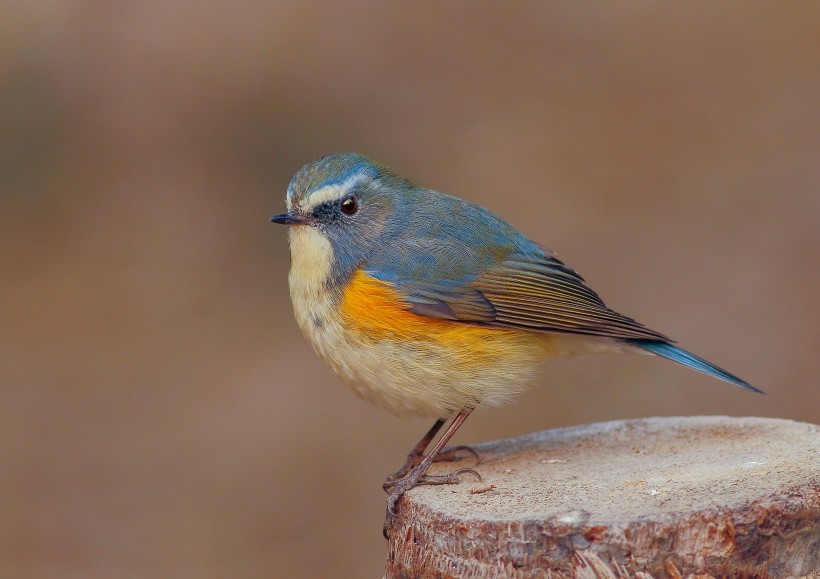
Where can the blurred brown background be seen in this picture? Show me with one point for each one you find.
(161, 415)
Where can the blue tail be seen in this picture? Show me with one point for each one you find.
(672, 352)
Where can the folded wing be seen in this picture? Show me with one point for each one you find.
(508, 287)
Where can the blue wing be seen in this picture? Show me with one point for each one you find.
(490, 274)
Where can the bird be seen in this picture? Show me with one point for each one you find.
(428, 305)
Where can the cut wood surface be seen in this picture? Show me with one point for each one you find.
(658, 497)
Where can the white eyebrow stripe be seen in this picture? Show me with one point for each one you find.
(330, 193)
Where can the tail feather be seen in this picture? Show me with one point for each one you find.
(672, 352)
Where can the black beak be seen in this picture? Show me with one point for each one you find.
(292, 218)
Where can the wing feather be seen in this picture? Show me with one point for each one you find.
(517, 288)
(550, 299)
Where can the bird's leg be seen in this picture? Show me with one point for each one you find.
(418, 474)
(415, 456)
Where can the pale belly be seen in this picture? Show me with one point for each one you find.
(422, 378)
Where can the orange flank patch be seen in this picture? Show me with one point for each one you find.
(376, 311)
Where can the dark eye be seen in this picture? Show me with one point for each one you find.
(350, 205)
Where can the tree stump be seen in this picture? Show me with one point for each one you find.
(659, 497)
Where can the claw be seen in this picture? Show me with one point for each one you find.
(391, 511)
(447, 479)
(462, 471)
(452, 454)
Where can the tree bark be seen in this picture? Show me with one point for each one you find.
(659, 497)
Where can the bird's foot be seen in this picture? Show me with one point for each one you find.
(454, 454)
(415, 478)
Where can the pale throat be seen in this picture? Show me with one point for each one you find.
(312, 258)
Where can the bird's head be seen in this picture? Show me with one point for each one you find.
(344, 205)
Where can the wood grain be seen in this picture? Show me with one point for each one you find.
(658, 497)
